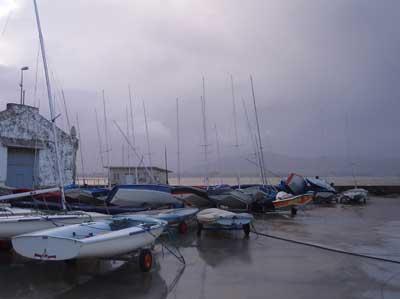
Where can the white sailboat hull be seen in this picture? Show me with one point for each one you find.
(224, 218)
(194, 200)
(16, 225)
(142, 198)
(87, 240)
(7, 210)
(356, 194)
(233, 200)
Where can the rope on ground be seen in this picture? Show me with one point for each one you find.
(325, 247)
(178, 255)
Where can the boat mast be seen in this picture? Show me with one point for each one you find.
(348, 151)
(99, 139)
(178, 143)
(107, 144)
(219, 164)
(253, 138)
(148, 140)
(51, 105)
(123, 155)
(128, 133)
(132, 123)
(140, 158)
(80, 150)
(205, 145)
(66, 110)
(236, 132)
(262, 166)
(166, 164)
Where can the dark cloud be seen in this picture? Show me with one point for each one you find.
(313, 62)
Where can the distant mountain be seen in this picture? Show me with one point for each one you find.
(281, 165)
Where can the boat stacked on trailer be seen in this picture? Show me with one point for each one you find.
(143, 196)
(355, 195)
(217, 219)
(13, 225)
(111, 237)
(323, 191)
(286, 201)
(193, 196)
(174, 217)
(7, 210)
(231, 199)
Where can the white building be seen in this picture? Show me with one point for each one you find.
(120, 175)
(27, 154)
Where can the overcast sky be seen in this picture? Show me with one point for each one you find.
(313, 63)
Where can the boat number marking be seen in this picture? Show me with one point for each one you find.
(44, 255)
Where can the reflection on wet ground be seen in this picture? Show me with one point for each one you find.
(226, 265)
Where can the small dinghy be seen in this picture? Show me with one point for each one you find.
(214, 219)
(174, 216)
(229, 199)
(11, 226)
(193, 196)
(139, 196)
(89, 195)
(355, 195)
(112, 237)
(296, 184)
(286, 201)
(323, 192)
(7, 210)
(54, 206)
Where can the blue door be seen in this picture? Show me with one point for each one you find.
(20, 167)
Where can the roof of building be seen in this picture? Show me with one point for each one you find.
(138, 167)
(15, 111)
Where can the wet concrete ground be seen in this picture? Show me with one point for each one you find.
(226, 265)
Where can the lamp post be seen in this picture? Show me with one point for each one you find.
(21, 85)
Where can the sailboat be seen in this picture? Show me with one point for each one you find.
(175, 217)
(356, 194)
(217, 219)
(13, 225)
(226, 198)
(142, 196)
(193, 196)
(116, 236)
(7, 210)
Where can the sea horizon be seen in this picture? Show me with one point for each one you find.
(231, 180)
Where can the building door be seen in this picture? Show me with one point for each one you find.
(20, 167)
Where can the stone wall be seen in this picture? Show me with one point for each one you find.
(23, 126)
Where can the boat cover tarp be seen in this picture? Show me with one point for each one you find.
(319, 185)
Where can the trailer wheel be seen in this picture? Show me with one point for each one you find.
(246, 229)
(345, 199)
(293, 211)
(183, 228)
(145, 260)
(71, 263)
(199, 229)
(5, 245)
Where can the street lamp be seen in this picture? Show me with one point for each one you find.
(21, 85)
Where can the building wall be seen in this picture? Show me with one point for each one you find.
(29, 129)
(3, 164)
(48, 174)
(118, 176)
